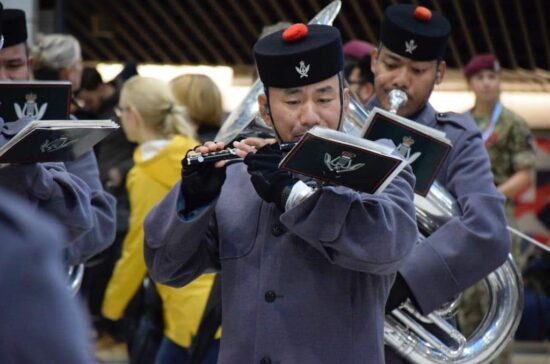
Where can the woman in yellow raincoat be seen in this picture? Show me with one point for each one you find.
(151, 119)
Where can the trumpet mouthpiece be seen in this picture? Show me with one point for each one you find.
(396, 98)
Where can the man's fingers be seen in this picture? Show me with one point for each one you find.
(209, 147)
(242, 149)
(220, 164)
(258, 142)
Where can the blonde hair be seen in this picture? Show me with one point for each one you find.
(154, 102)
(202, 98)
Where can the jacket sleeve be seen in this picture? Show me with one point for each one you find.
(75, 198)
(51, 189)
(521, 146)
(40, 321)
(180, 248)
(130, 269)
(362, 232)
(469, 246)
(103, 212)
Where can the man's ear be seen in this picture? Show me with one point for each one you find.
(345, 101)
(264, 109)
(440, 72)
(373, 59)
(366, 91)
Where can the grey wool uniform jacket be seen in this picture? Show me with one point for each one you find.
(471, 245)
(305, 286)
(71, 192)
(39, 320)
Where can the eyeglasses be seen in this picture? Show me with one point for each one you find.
(120, 109)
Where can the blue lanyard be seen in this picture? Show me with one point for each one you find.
(494, 117)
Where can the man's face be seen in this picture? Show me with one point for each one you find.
(14, 63)
(296, 110)
(485, 85)
(354, 80)
(91, 99)
(416, 78)
(73, 73)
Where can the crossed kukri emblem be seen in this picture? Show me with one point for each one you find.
(30, 108)
(303, 69)
(410, 46)
(405, 149)
(342, 163)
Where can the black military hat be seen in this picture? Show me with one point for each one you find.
(298, 56)
(14, 27)
(415, 32)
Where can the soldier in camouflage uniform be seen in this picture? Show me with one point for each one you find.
(507, 137)
(509, 145)
(512, 159)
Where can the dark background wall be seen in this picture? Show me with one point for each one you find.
(223, 31)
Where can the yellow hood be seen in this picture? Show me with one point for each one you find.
(165, 166)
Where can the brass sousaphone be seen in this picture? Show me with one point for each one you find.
(404, 328)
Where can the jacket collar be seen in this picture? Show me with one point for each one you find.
(426, 116)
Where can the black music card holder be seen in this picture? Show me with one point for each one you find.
(424, 147)
(36, 100)
(55, 140)
(336, 158)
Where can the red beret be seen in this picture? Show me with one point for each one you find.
(481, 62)
(357, 49)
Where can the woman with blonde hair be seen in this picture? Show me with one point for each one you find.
(203, 101)
(151, 119)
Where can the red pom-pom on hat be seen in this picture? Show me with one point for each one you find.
(422, 13)
(295, 32)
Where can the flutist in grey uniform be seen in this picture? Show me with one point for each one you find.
(305, 274)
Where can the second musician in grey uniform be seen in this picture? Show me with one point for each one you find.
(475, 242)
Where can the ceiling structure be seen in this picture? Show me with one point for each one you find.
(222, 32)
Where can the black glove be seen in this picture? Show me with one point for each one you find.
(271, 183)
(200, 184)
(399, 293)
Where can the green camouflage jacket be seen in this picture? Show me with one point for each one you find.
(510, 146)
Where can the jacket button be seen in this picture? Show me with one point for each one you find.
(265, 360)
(270, 296)
(277, 230)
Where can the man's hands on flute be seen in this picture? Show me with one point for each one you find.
(202, 183)
(270, 182)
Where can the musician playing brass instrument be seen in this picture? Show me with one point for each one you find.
(306, 271)
(476, 242)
